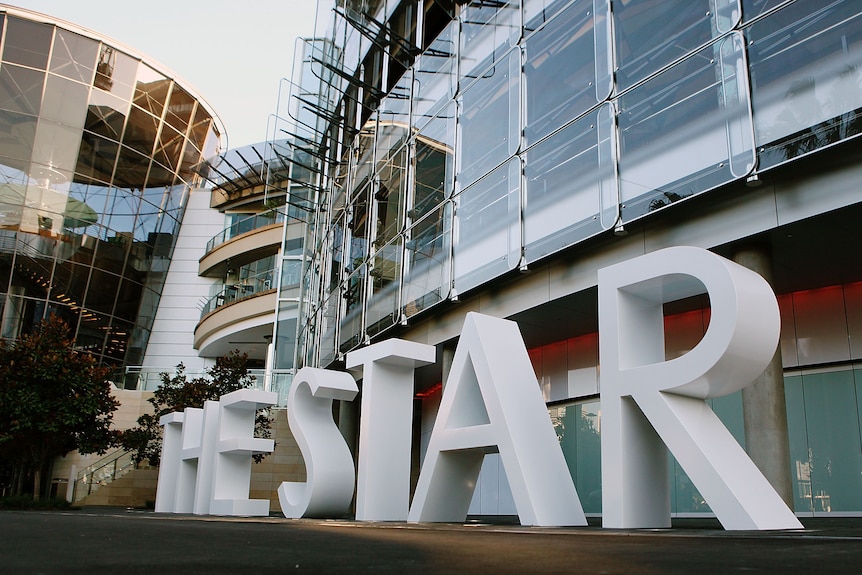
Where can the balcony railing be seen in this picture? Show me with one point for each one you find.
(246, 225)
(227, 293)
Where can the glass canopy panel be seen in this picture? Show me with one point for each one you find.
(353, 292)
(74, 56)
(435, 164)
(488, 229)
(560, 71)
(382, 309)
(434, 76)
(27, 42)
(427, 262)
(563, 201)
(537, 12)
(488, 31)
(389, 196)
(489, 119)
(752, 9)
(805, 63)
(674, 132)
(650, 34)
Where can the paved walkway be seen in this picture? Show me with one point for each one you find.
(129, 542)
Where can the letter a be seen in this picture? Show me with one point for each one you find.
(649, 403)
(330, 473)
(492, 403)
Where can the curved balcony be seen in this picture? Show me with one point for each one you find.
(245, 225)
(229, 293)
(246, 247)
(244, 323)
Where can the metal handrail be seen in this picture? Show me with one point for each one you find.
(245, 225)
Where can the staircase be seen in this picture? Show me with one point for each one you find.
(115, 480)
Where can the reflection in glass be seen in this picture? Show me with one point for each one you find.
(488, 30)
(21, 89)
(577, 428)
(805, 75)
(74, 56)
(560, 72)
(427, 261)
(385, 272)
(116, 72)
(489, 239)
(353, 292)
(434, 76)
(151, 90)
(674, 132)
(490, 119)
(653, 33)
(435, 163)
(563, 194)
(389, 195)
(27, 42)
(65, 102)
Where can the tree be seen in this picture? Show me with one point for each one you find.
(53, 399)
(177, 392)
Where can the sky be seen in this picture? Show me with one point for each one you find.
(233, 53)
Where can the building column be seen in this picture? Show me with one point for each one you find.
(764, 408)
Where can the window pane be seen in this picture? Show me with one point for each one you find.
(106, 115)
(651, 34)
(141, 131)
(116, 72)
(391, 186)
(65, 102)
(488, 230)
(560, 72)
(563, 201)
(16, 145)
(151, 90)
(435, 76)
(488, 30)
(805, 62)
(382, 309)
(180, 109)
(674, 131)
(350, 334)
(435, 163)
(490, 119)
(74, 56)
(21, 89)
(27, 42)
(427, 261)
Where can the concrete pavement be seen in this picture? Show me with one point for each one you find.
(110, 540)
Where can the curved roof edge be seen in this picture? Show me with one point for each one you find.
(148, 60)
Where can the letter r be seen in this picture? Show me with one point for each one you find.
(647, 401)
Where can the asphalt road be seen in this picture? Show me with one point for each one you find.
(127, 542)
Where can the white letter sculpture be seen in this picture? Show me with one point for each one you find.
(492, 403)
(206, 456)
(385, 426)
(646, 400)
(328, 489)
(169, 469)
(234, 449)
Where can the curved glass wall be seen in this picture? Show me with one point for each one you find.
(525, 127)
(97, 154)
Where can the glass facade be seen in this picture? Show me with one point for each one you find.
(98, 151)
(529, 126)
(487, 137)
